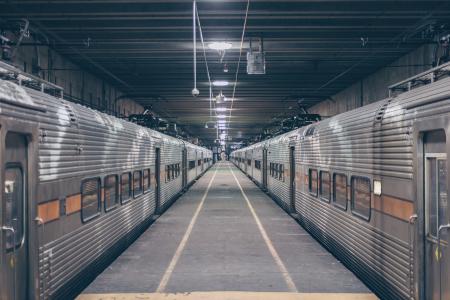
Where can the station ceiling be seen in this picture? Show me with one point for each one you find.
(313, 49)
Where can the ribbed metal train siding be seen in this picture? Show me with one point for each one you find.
(192, 155)
(374, 141)
(76, 143)
(63, 258)
(171, 153)
(278, 151)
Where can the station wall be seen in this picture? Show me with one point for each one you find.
(375, 86)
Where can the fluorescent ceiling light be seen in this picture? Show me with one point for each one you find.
(220, 46)
(221, 109)
(220, 83)
(221, 116)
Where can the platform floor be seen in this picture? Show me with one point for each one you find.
(226, 235)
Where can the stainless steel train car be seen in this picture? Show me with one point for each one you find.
(372, 186)
(78, 185)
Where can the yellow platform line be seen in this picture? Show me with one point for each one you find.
(229, 296)
(276, 257)
(168, 273)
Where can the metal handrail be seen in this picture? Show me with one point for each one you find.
(429, 76)
(442, 227)
(13, 232)
(22, 77)
(411, 235)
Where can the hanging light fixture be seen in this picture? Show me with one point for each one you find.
(220, 98)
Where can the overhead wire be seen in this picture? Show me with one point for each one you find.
(206, 61)
(239, 61)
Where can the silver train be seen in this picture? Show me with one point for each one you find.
(78, 186)
(371, 185)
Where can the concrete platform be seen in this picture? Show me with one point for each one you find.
(225, 235)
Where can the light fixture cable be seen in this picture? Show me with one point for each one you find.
(239, 61)
(206, 62)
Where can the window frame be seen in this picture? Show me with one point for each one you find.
(311, 192)
(99, 199)
(117, 202)
(130, 181)
(320, 186)
(352, 197)
(141, 183)
(335, 203)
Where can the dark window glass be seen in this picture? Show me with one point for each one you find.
(313, 181)
(90, 199)
(137, 183)
(281, 175)
(325, 186)
(361, 197)
(14, 206)
(199, 163)
(340, 190)
(125, 187)
(147, 180)
(249, 162)
(191, 164)
(111, 192)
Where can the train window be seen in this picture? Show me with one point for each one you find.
(249, 162)
(270, 169)
(168, 171)
(360, 202)
(111, 192)
(147, 179)
(90, 199)
(325, 187)
(199, 162)
(340, 190)
(125, 187)
(258, 164)
(191, 164)
(14, 206)
(312, 183)
(137, 183)
(281, 175)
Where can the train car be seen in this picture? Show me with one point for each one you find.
(79, 186)
(371, 184)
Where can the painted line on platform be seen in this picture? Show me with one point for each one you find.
(230, 296)
(284, 271)
(168, 273)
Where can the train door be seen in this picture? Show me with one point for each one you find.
(292, 177)
(436, 216)
(203, 163)
(158, 179)
(13, 218)
(264, 179)
(245, 162)
(252, 164)
(184, 166)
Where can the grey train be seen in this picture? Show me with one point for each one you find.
(371, 185)
(78, 186)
